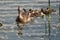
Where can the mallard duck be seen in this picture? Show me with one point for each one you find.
(23, 18)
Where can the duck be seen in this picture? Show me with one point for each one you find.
(47, 11)
(35, 13)
(23, 18)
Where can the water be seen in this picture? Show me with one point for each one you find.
(35, 31)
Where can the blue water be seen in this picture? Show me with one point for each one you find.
(35, 31)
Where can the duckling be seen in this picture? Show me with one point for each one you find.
(47, 11)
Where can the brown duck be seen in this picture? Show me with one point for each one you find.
(23, 18)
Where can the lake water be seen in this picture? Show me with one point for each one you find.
(35, 31)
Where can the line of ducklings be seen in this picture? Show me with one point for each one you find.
(25, 16)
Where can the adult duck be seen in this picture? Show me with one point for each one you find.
(23, 18)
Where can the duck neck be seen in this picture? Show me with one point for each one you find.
(20, 15)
